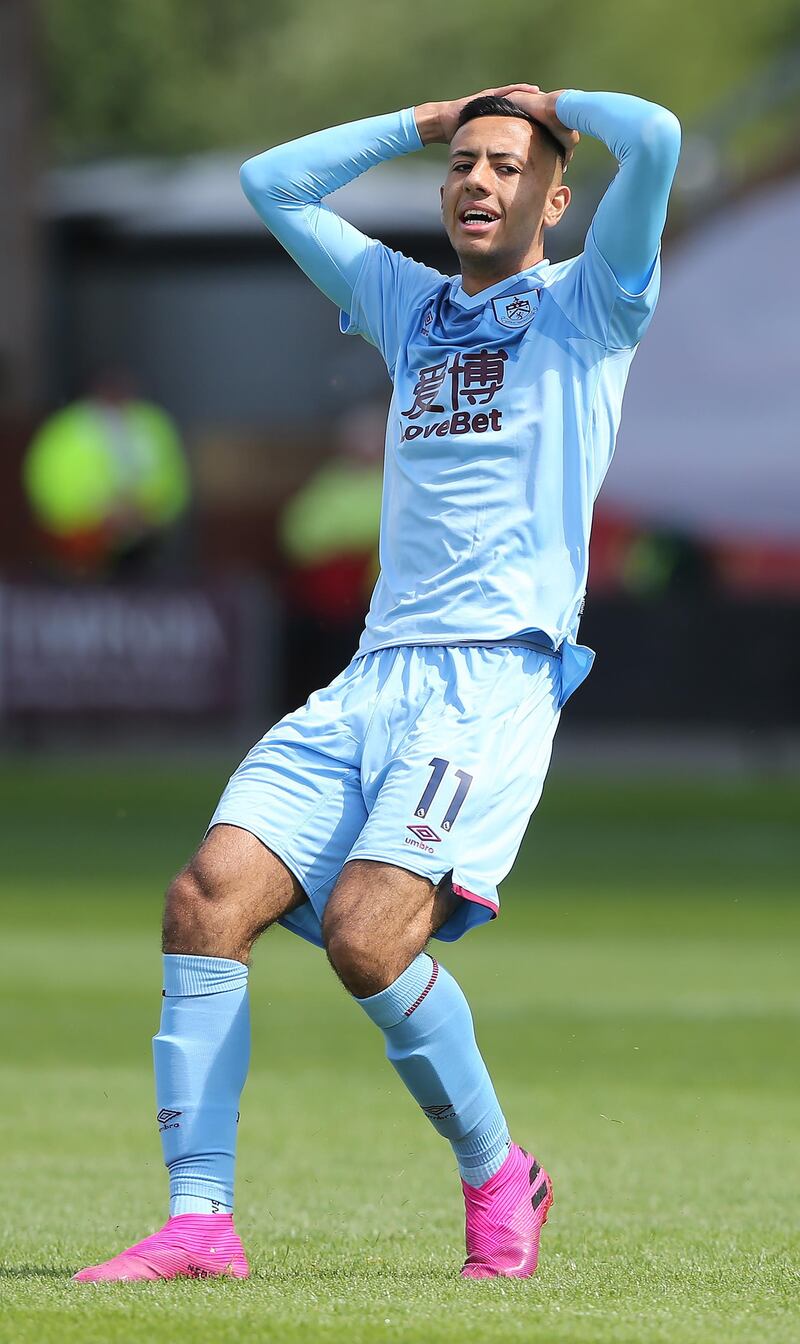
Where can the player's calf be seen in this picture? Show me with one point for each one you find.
(233, 888)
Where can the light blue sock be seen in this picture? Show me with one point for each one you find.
(430, 1040)
(201, 1054)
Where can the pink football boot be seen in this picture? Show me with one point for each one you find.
(190, 1245)
(505, 1217)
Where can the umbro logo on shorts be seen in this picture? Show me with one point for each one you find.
(425, 833)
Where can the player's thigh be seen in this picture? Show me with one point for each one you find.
(234, 867)
(378, 918)
(457, 792)
(232, 886)
(298, 792)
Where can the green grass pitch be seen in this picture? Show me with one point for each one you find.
(638, 1006)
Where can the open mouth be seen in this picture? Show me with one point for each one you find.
(477, 220)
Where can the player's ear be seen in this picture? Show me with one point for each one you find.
(557, 202)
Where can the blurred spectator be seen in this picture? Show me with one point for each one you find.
(663, 562)
(328, 534)
(106, 479)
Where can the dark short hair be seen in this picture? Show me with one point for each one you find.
(490, 105)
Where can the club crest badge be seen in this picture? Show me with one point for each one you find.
(517, 310)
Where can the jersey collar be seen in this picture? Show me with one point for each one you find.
(472, 301)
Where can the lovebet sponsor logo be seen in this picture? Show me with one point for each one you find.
(459, 423)
(467, 381)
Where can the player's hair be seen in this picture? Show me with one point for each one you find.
(490, 105)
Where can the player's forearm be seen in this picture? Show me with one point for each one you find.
(430, 127)
(304, 171)
(286, 186)
(630, 127)
(646, 139)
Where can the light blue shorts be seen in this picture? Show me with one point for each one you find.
(431, 758)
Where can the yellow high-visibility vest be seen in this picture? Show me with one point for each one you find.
(86, 464)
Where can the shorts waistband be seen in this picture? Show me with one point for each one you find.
(539, 643)
(517, 642)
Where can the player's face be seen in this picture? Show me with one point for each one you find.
(503, 187)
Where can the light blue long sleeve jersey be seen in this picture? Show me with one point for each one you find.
(506, 403)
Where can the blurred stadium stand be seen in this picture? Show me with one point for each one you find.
(164, 268)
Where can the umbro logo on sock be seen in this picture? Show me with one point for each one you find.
(165, 1117)
(446, 1112)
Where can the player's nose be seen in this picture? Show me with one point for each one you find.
(476, 181)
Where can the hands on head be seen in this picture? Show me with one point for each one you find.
(438, 122)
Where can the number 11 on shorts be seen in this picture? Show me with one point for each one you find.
(439, 768)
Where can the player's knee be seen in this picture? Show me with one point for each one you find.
(355, 954)
(191, 906)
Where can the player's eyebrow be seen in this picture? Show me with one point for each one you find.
(493, 154)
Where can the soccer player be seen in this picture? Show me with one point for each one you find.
(389, 807)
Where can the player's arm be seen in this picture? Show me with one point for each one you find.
(286, 186)
(645, 139)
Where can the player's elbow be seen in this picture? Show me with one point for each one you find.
(254, 176)
(260, 180)
(661, 138)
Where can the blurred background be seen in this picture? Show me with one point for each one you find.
(190, 467)
(190, 454)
